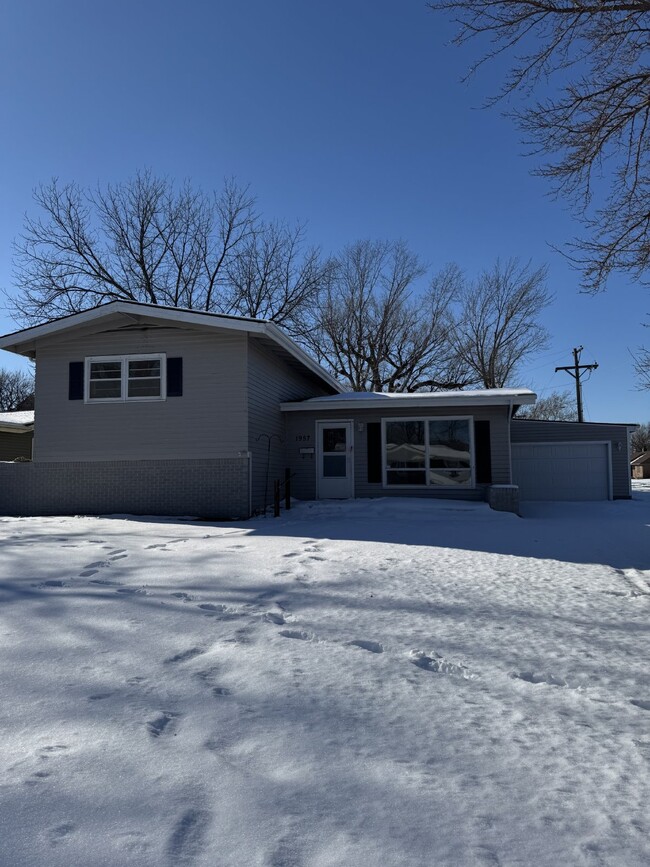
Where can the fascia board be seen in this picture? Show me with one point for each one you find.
(410, 403)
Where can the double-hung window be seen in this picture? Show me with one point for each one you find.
(125, 377)
(435, 452)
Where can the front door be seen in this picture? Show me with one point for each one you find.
(335, 479)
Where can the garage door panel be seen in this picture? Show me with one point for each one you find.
(561, 471)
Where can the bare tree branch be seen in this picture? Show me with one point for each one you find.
(498, 323)
(594, 125)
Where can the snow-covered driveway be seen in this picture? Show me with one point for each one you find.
(367, 683)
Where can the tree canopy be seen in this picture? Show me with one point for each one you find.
(370, 313)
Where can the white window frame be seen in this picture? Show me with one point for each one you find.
(427, 486)
(124, 380)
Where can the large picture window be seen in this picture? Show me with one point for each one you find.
(428, 452)
(125, 377)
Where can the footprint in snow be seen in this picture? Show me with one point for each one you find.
(164, 723)
(187, 841)
(298, 634)
(49, 584)
(184, 596)
(58, 834)
(438, 664)
(537, 677)
(275, 617)
(184, 655)
(372, 646)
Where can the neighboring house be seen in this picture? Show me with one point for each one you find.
(16, 435)
(153, 410)
(640, 466)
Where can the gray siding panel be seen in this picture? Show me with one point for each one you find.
(270, 382)
(301, 432)
(15, 445)
(523, 431)
(208, 421)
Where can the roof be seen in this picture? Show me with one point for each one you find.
(641, 459)
(16, 422)
(418, 399)
(22, 342)
(525, 420)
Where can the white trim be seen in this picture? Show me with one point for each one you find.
(426, 486)
(124, 378)
(377, 401)
(14, 341)
(607, 443)
(318, 426)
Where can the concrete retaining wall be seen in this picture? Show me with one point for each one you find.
(217, 488)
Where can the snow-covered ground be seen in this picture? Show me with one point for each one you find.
(389, 682)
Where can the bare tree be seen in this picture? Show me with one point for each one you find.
(642, 368)
(558, 406)
(375, 332)
(594, 125)
(273, 276)
(16, 390)
(498, 323)
(640, 439)
(145, 240)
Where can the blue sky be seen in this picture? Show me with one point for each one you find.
(349, 115)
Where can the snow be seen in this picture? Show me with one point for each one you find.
(19, 419)
(388, 682)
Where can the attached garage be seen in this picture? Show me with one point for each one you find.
(562, 471)
(564, 460)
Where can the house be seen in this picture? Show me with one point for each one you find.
(640, 466)
(152, 410)
(16, 435)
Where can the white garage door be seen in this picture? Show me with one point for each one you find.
(561, 471)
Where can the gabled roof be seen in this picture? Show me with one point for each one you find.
(16, 422)
(23, 342)
(641, 459)
(418, 399)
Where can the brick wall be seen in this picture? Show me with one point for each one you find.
(214, 488)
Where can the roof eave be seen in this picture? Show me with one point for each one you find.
(410, 402)
(21, 342)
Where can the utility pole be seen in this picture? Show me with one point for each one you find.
(575, 370)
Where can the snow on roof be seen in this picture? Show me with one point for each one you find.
(16, 419)
(641, 459)
(494, 396)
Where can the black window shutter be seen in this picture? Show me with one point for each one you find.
(174, 377)
(374, 451)
(76, 381)
(483, 452)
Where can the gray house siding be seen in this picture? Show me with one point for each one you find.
(271, 380)
(15, 445)
(524, 431)
(209, 420)
(300, 432)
